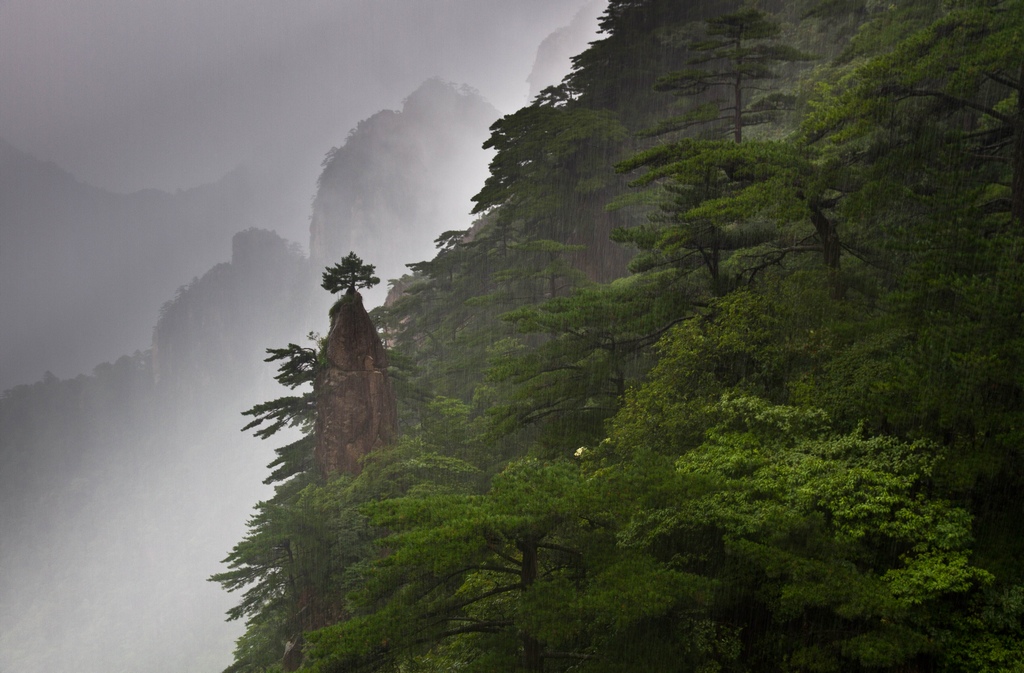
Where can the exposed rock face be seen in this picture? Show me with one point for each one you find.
(355, 403)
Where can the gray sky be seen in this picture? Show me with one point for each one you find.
(171, 94)
(168, 94)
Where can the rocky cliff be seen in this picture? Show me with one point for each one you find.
(355, 402)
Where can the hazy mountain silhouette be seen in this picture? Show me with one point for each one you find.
(400, 180)
(554, 55)
(121, 490)
(84, 271)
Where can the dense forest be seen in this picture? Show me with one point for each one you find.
(727, 376)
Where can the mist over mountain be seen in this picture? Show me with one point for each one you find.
(72, 255)
(402, 178)
(123, 484)
(83, 271)
(108, 479)
(554, 55)
(218, 327)
(136, 94)
(697, 391)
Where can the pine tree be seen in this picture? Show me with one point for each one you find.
(738, 53)
(349, 275)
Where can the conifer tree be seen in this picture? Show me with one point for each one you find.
(738, 52)
(349, 275)
(784, 479)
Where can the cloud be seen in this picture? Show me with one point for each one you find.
(159, 93)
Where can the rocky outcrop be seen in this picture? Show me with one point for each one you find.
(355, 402)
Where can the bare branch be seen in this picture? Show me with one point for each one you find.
(1000, 78)
(934, 93)
(568, 655)
(558, 547)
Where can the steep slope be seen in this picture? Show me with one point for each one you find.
(554, 55)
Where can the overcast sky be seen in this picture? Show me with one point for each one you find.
(172, 94)
(168, 94)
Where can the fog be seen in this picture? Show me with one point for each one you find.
(169, 95)
(128, 96)
(137, 139)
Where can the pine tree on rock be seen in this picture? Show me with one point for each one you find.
(349, 275)
(355, 403)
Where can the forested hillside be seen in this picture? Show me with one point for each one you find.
(728, 376)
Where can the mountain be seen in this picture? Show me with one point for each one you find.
(554, 55)
(83, 270)
(791, 436)
(402, 178)
(122, 489)
(219, 325)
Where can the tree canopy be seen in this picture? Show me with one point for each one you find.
(349, 275)
(786, 437)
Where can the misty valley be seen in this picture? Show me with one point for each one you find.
(717, 367)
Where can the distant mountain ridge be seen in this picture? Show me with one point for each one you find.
(400, 180)
(554, 55)
(83, 270)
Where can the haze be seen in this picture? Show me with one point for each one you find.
(144, 95)
(133, 94)
(119, 495)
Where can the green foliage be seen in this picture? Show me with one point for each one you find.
(461, 567)
(445, 319)
(349, 275)
(298, 368)
(597, 343)
(802, 524)
(741, 457)
(549, 180)
(736, 51)
(618, 71)
(295, 566)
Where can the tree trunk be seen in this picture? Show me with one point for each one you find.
(532, 648)
(1017, 185)
(830, 249)
(737, 122)
(737, 115)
